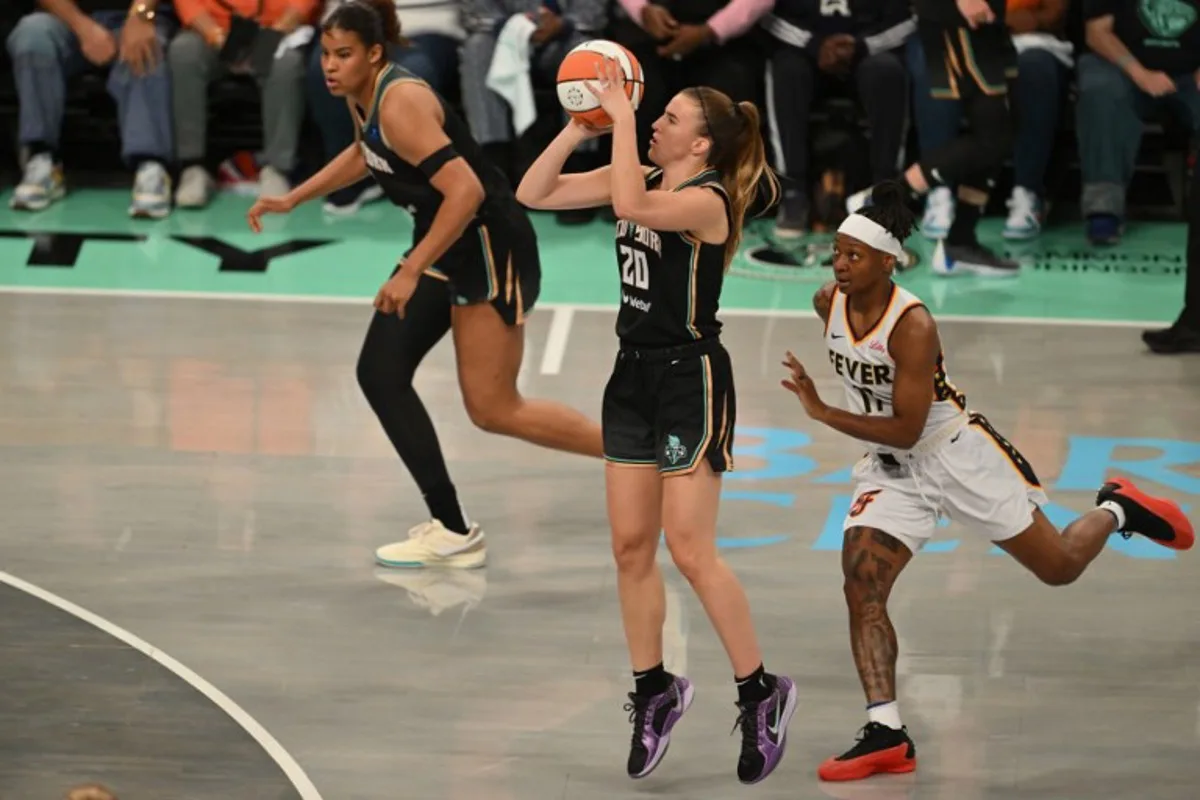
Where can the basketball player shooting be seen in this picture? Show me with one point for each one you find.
(928, 456)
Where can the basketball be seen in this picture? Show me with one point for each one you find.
(583, 64)
(1023, 5)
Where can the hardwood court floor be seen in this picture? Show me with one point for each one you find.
(205, 475)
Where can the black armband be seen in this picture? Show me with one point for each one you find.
(436, 160)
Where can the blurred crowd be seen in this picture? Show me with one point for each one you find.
(1131, 61)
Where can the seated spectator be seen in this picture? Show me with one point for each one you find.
(1184, 335)
(682, 43)
(433, 32)
(196, 61)
(556, 31)
(1145, 57)
(1043, 74)
(823, 46)
(48, 47)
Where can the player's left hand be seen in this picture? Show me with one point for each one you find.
(801, 385)
(609, 88)
(394, 295)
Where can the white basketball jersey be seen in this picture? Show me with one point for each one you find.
(868, 370)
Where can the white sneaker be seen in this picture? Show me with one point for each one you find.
(196, 188)
(939, 213)
(273, 183)
(431, 545)
(41, 184)
(1024, 215)
(151, 192)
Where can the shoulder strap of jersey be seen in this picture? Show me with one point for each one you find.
(654, 177)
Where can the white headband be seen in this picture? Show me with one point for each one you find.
(872, 234)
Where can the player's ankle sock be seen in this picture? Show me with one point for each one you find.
(1114, 508)
(444, 507)
(886, 713)
(962, 230)
(651, 682)
(755, 687)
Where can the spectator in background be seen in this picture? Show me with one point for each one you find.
(682, 43)
(433, 34)
(1184, 335)
(1043, 75)
(1145, 56)
(195, 58)
(558, 26)
(47, 47)
(819, 44)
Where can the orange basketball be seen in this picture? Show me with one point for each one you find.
(1020, 5)
(582, 64)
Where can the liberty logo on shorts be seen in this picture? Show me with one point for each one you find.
(674, 451)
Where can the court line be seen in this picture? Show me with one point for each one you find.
(248, 723)
(556, 340)
(731, 311)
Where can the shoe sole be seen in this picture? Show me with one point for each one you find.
(1172, 514)
(864, 768)
(452, 563)
(688, 694)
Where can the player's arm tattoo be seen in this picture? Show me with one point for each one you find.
(871, 562)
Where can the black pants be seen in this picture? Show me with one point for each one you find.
(1191, 292)
(880, 82)
(735, 68)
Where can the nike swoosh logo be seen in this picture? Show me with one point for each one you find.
(836, 336)
(774, 729)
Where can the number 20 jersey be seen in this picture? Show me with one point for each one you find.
(670, 282)
(868, 371)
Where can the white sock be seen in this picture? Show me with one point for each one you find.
(885, 714)
(1116, 510)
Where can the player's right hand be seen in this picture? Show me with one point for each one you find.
(267, 205)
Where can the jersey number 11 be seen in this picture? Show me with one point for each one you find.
(635, 271)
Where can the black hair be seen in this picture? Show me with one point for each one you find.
(889, 208)
(373, 21)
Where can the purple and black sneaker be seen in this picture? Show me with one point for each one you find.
(764, 731)
(653, 718)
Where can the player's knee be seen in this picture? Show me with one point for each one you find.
(376, 379)
(1058, 573)
(491, 415)
(693, 556)
(634, 550)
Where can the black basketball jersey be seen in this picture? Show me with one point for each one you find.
(405, 184)
(670, 281)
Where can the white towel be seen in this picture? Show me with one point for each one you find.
(508, 75)
(1060, 49)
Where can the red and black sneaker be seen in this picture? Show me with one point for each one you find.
(879, 749)
(1152, 517)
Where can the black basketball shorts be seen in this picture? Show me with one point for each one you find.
(494, 262)
(670, 408)
(962, 62)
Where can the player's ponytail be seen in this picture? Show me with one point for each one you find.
(889, 209)
(374, 22)
(738, 153)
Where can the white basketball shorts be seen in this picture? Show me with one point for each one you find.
(977, 478)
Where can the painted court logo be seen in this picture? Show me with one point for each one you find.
(674, 451)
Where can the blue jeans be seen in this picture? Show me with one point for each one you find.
(1037, 96)
(432, 57)
(1110, 117)
(45, 53)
